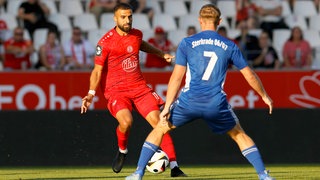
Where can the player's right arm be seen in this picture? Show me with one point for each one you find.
(255, 82)
(95, 78)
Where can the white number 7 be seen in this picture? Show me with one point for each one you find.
(211, 64)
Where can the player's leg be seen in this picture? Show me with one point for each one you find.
(150, 111)
(179, 117)
(249, 150)
(121, 108)
(150, 146)
(166, 145)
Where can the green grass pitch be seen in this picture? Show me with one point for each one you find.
(195, 172)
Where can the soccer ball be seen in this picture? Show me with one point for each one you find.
(158, 162)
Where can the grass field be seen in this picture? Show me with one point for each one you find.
(212, 172)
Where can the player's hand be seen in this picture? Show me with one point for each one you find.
(165, 114)
(168, 57)
(269, 102)
(86, 101)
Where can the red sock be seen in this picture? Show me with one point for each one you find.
(122, 139)
(168, 147)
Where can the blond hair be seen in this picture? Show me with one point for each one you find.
(210, 13)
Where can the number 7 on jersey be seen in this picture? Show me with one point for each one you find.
(213, 59)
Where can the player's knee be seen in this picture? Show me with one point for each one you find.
(164, 127)
(125, 124)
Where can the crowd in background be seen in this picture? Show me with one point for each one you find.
(18, 51)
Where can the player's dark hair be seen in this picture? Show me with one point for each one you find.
(122, 6)
(210, 12)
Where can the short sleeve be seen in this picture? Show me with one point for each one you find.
(181, 56)
(101, 53)
(237, 58)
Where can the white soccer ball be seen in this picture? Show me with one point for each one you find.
(158, 162)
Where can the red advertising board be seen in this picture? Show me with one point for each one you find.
(64, 90)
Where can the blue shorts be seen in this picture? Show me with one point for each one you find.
(220, 119)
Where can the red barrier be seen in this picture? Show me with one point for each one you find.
(64, 90)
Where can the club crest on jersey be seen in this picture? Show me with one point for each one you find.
(129, 49)
(130, 64)
(98, 50)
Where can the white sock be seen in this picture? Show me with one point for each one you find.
(173, 164)
(123, 151)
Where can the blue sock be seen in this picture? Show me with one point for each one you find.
(148, 149)
(253, 156)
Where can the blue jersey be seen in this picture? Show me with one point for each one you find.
(207, 56)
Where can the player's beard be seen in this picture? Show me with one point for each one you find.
(125, 28)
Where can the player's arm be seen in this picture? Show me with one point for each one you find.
(255, 82)
(148, 48)
(173, 88)
(95, 78)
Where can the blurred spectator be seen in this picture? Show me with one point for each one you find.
(270, 12)
(3, 28)
(140, 6)
(191, 30)
(222, 30)
(291, 4)
(297, 52)
(3, 5)
(247, 11)
(3, 25)
(34, 15)
(79, 52)
(18, 51)
(159, 41)
(317, 4)
(51, 53)
(267, 57)
(98, 7)
(247, 43)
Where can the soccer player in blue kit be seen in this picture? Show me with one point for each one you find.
(204, 58)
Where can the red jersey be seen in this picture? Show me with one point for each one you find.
(246, 12)
(153, 60)
(120, 57)
(14, 61)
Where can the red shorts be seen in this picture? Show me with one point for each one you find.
(144, 100)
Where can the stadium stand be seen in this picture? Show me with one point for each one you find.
(170, 7)
(13, 6)
(174, 16)
(166, 21)
(141, 21)
(85, 21)
(304, 8)
(51, 5)
(106, 21)
(62, 21)
(71, 8)
(10, 20)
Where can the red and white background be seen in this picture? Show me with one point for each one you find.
(64, 90)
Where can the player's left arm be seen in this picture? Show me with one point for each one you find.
(148, 48)
(255, 82)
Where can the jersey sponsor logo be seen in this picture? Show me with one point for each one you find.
(98, 50)
(130, 64)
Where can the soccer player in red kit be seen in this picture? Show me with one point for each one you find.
(118, 72)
